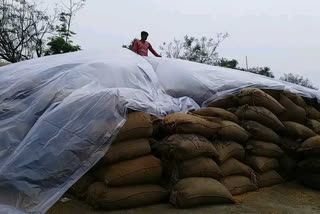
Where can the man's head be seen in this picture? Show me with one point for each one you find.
(144, 35)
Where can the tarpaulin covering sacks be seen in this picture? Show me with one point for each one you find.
(59, 114)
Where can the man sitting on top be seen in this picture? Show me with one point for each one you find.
(141, 46)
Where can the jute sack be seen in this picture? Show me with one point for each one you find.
(192, 192)
(311, 146)
(189, 124)
(185, 146)
(126, 150)
(312, 113)
(197, 167)
(229, 149)
(256, 97)
(143, 170)
(260, 115)
(290, 147)
(265, 149)
(234, 167)
(216, 112)
(138, 125)
(296, 98)
(273, 93)
(298, 131)
(314, 125)
(287, 167)
(310, 165)
(293, 113)
(224, 103)
(239, 184)
(268, 179)
(262, 164)
(112, 198)
(260, 132)
(232, 131)
(80, 188)
(311, 180)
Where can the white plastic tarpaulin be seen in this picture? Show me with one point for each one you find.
(59, 114)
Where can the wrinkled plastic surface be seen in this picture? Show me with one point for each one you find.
(204, 83)
(59, 114)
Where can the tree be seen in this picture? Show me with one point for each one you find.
(227, 63)
(62, 42)
(23, 30)
(297, 79)
(265, 71)
(202, 50)
(130, 46)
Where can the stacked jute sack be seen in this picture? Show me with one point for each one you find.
(229, 141)
(190, 160)
(128, 175)
(254, 139)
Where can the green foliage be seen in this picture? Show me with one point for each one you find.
(202, 50)
(23, 30)
(63, 43)
(297, 79)
(58, 45)
(130, 46)
(265, 71)
(227, 63)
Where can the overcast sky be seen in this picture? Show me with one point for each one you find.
(281, 34)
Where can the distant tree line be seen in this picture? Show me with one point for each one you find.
(27, 31)
(204, 50)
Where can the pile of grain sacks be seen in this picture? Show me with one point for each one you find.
(254, 139)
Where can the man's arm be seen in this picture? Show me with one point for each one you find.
(153, 51)
(135, 47)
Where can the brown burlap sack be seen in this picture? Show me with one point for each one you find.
(296, 98)
(262, 164)
(224, 103)
(191, 192)
(260, 132)
(298, 131)
(311, 180)
(273, 93)
(268, 179)
(185, 146)
(80, 188)
(112, 198)
(311, 146)
(314, 125)
(312, 113)
(234, 167)
(216, 112)
(232, 131)
(256, 97)
(260, 115)
(310, 165)
(138, 125)
(290, 147)
(189, 124)
(237, 184)
(229, 149)
(265, 149)
(287, 167)
(293, 113)
(197, 167)
(142, 170)
(126, 150)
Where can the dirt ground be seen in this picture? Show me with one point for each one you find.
(286, 198)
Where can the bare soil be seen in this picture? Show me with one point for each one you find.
(285, 198)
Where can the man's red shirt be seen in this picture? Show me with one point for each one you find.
(142, 48)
